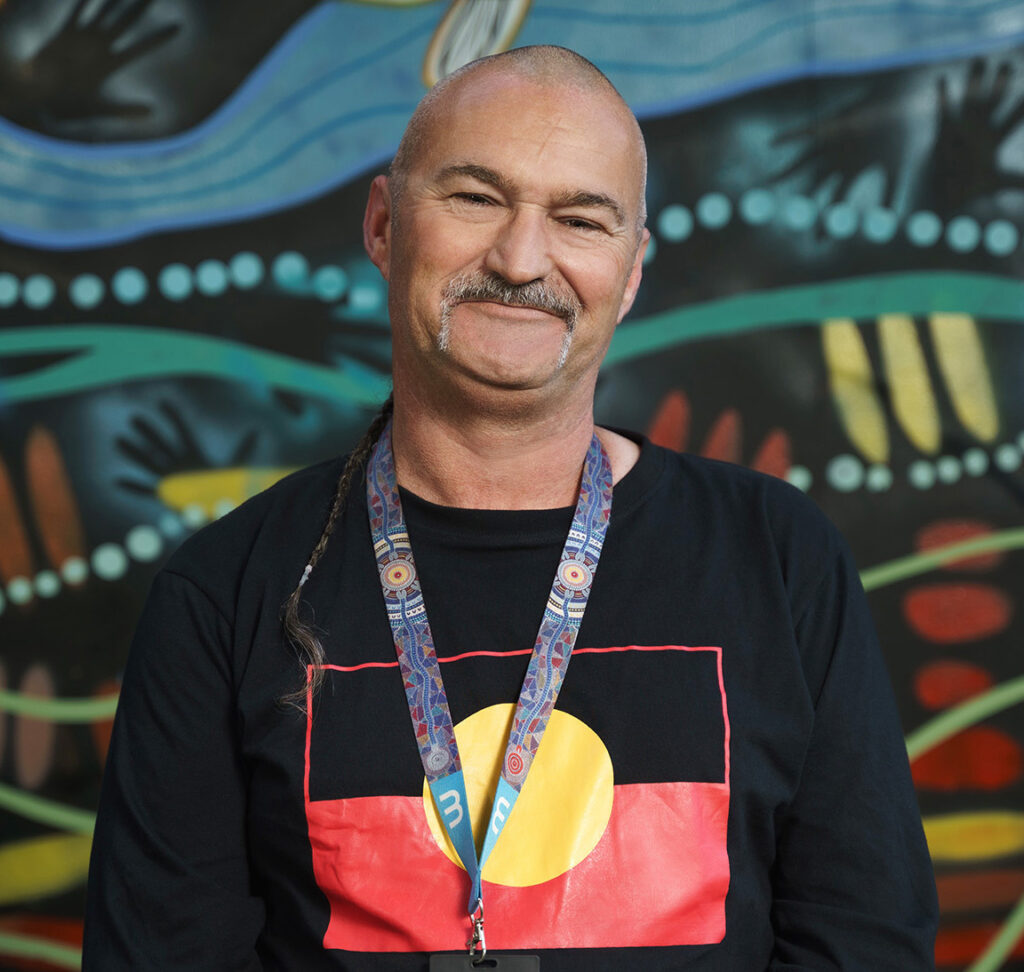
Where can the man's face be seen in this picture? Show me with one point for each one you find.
(514, 250)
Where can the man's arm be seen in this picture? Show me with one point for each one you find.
(853, 883)
(169, 878)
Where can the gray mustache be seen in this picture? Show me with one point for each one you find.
(536, 294)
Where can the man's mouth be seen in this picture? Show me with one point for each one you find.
(488, 288)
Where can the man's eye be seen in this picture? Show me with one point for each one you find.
(473, 197)
(578, 222)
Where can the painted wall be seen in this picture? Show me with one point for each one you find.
(833, 295)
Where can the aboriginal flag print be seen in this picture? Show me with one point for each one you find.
(619, 796)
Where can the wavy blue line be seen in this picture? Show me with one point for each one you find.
(282, 156)
(823, 69)
(698, 67)
(96, 236)
(711, 16)
(162, 175)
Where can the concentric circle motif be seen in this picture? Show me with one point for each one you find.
(514, 763)
(574, 575)
(398, 575)
(438, 759)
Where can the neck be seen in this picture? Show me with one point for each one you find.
(498, 462)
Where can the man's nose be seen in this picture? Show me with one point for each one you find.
(521, 251)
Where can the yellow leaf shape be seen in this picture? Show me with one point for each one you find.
(974, 836)
(962, 362)
(210, 488)
(910, 387)
(42, 866)
(852, 383)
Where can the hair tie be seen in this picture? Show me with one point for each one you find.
(305, 574)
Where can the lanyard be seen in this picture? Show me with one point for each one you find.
(421, 673)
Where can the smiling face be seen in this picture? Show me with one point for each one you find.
(515, 246)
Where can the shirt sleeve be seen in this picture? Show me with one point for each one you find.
(853, 883)
(169, 883)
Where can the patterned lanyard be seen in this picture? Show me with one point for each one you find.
(421, 673)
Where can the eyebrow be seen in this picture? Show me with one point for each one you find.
(567, 198)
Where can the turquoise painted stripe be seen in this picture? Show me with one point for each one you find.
(925, 292)
(41, 949)
(105, 355)
(664, 18)
(49, 812)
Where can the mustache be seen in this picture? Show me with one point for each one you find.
(535, 294)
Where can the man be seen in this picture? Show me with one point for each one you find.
(717, 781)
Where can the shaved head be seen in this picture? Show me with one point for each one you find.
(542, 65)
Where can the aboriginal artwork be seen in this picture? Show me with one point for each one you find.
(832, 295)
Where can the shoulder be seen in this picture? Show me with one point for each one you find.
(757, 522)
(749, 499)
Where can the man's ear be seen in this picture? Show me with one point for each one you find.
(377, 225)
(633, 283)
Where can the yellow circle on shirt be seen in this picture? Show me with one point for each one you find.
(563, 808)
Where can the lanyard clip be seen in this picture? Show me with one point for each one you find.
(476, 940)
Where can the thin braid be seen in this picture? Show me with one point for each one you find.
(307, 645)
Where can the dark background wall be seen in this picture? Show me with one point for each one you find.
(833, 295)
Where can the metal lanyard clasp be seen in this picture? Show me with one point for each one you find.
(476, 944)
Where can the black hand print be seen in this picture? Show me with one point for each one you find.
(64, 78)
(965, 159)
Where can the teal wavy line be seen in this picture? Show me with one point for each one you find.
(926, 292)
(27, 946)
(655, 19)
(1001, 946)
(45, 811)
(286, 153)
(59, 710)
(111, 354)
(953, 721)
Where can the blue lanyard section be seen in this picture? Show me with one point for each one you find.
(421, 673)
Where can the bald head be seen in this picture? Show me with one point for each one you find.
(543, 65)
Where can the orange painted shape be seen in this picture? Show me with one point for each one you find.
(724, 441)
(944, 683)
(67, 931)
(980, 890)
(52, 498)
(979, 758)
(15, 556)
(3, 718)
(670, 426)
(962, 944)
(34, 739)
(954, 613)
(942, 533)
(774, 456)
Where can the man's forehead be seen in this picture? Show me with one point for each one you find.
(596, 117)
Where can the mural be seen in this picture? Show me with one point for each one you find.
(833, 295)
